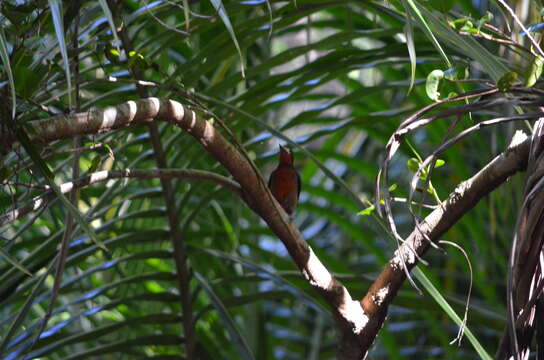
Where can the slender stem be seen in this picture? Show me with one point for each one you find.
(42, 200)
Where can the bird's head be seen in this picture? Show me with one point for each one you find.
(286, 156)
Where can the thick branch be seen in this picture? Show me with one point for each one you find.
(461, 200)
(348, 313)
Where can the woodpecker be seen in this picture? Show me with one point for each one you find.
(284, 182)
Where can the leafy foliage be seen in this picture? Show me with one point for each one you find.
(330, 78)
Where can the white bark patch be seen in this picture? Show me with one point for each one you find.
(155, 101)
(66, 187)
(178, 110)
(12, 215)
(353, 312)
(519, 137)
(380, 295)
(155, 104)
(99, 176)
(209, 132)
(108, 118)
(316, 273)
(406, 253)
(132, 108)
(193, 120)
(37, 204)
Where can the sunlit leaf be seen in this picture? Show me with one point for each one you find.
(433, 82)
(534, 71)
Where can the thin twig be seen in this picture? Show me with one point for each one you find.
(461, 331)
(41, 200)
(175, 29)
(518, 21)
(494, 39)
(27, 185)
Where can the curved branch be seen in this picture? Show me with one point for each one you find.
(43, 199)
(348, 312)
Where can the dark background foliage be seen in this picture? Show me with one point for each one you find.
(331, 77)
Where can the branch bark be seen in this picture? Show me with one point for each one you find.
(347, 312)
(358, 321)
(465, 196)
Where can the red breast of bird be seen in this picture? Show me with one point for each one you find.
(284, 182)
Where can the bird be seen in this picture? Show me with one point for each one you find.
(284, 182)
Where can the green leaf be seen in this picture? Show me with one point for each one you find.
(48, 176)
(409, 32)
(413, 165)
(116, 41)
(443, 303)
(56, 13)
(413, 9)
(452, 94)
(28, 81)
(463, 24)
(5, 173)
(220, 8)
(267, 274)
(488, 61)
(534, 71)
(112, 54)
(236, 336)
(17, 13)
(485, 19)
(138, 61)
(439, 163)
(227, 226)
(368, 211)
(27, 305)
(95, 164)
(507, 81)
(443, 6)
(7, 68)
(186, 9)
(14, 262)
(432, 84)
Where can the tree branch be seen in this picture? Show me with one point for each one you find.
(358, 321)
(347, 312)
(43, 199)
(461, 200)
